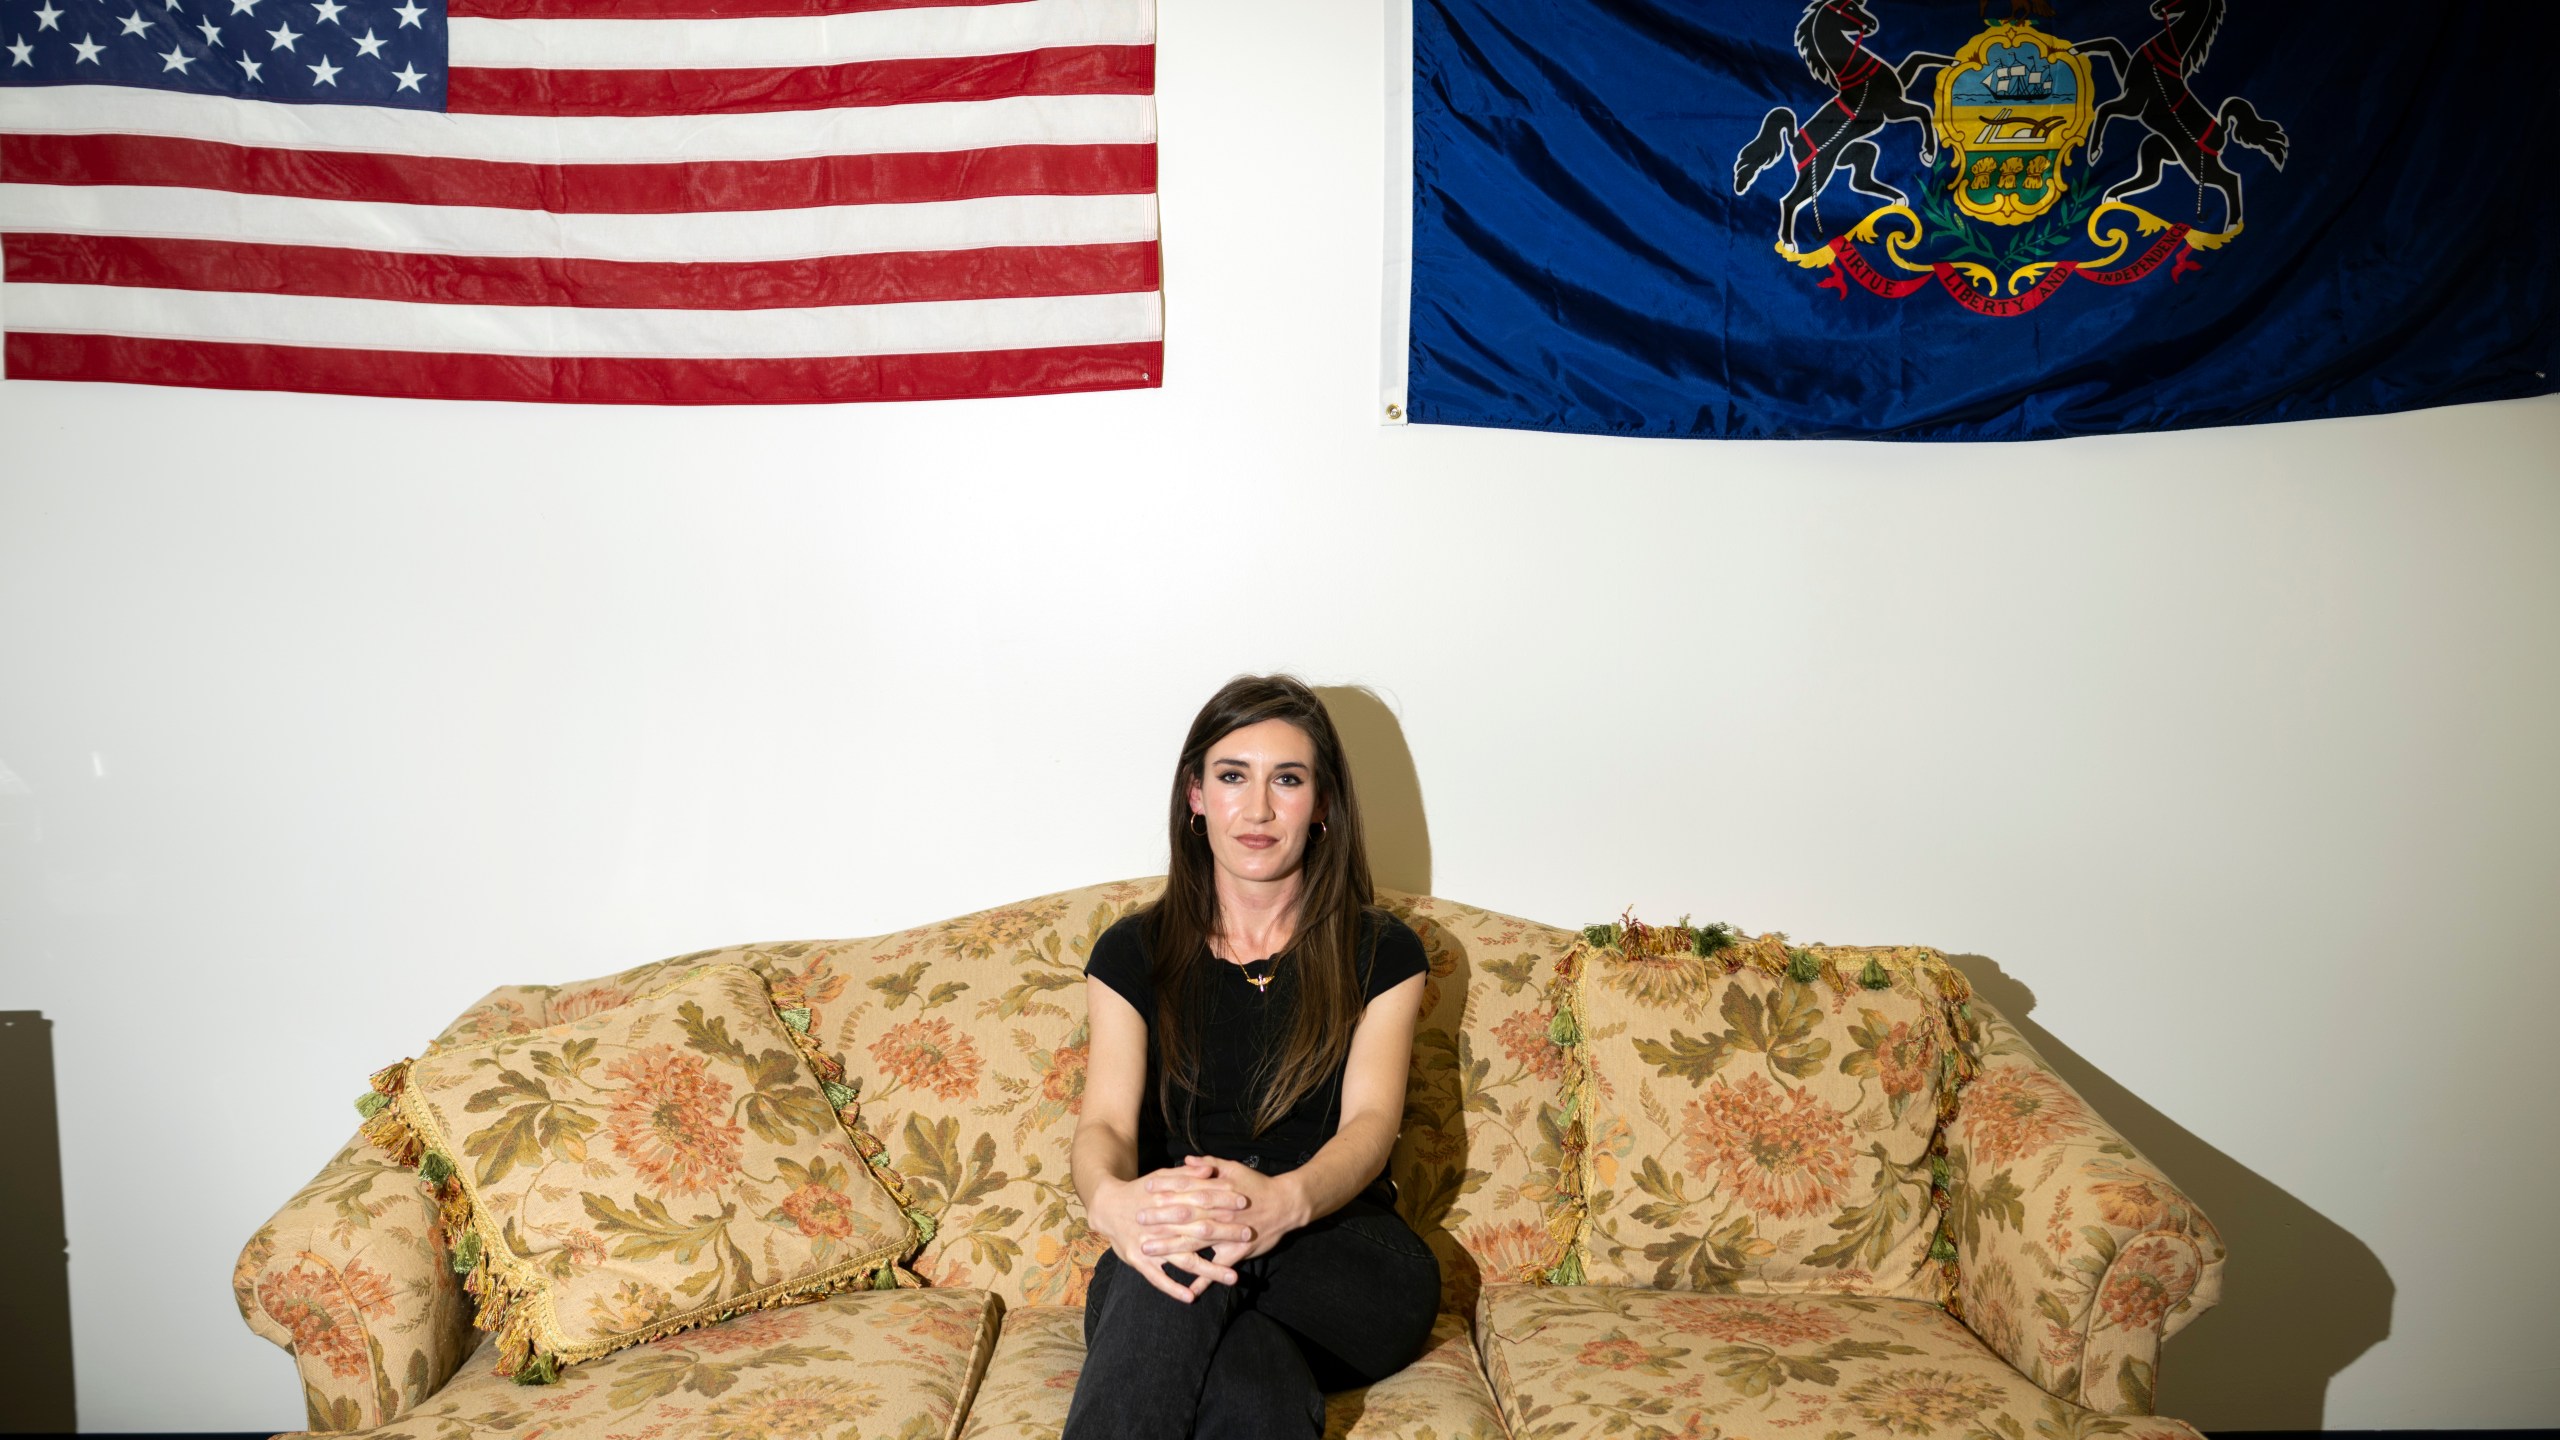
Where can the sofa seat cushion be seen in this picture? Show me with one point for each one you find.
(1031, 1377)
(868, 1362)
(1567, 1362)
(1441, 1396)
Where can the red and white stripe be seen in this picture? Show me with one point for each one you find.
(695, 201)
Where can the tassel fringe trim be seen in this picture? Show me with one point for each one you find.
(513, 1301)
(846, 1097)
(1569, 1215)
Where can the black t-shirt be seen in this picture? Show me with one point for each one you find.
(1241, 1026)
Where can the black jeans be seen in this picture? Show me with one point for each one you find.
(1345, 1302)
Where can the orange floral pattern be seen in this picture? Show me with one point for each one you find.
(671, 1121)
(1906, 1059)
(507, 1010)
(1777, 1324)
(2142, 1288)
(1784, 1152)
(1920, 1401)
(821, 1212)
(578, 1004)
(2076, 1257)
(1064, 1080)
(755, 1330)
(1567, 1362)
(1526, 1041)
(931, 1054)
(351, 1278)
(325, 1308)
(1511, 1250)
(792, 1406)
(2012, 1110)
(852, 1366)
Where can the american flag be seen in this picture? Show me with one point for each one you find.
(653, 201)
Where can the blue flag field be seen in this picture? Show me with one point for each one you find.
(1994, 220)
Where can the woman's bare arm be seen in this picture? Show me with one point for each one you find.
(1103, 1161)
(1373, 1086)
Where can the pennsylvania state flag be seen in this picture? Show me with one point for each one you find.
(1975, 219)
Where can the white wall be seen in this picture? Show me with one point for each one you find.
(2233, 746)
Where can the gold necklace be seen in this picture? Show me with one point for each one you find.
(1261, 983)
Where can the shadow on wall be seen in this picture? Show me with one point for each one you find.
(1390, 791)
(2301, 1297)
(35, 1262)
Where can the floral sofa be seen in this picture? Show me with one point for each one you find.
(1682, 1183)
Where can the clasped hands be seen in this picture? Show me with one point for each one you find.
(1168, 1216)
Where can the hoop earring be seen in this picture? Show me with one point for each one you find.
(1319, 830)
(1199, 824)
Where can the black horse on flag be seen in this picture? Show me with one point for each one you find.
(2183, 132)
(1867, 95)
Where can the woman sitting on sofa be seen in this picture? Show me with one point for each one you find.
(1262, 1012)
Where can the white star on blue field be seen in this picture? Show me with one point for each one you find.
(346, 52)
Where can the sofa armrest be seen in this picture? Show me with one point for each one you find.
(2075, 1256)
(351, 1277)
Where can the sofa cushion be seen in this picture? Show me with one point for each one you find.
(1031, 1376)
(650, 1167)
(1567, 1362)
(1760, 1118)
(1441, 1396)
(869, 1362)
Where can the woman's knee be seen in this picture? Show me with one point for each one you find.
(1362, 1293)
(1123, 1311)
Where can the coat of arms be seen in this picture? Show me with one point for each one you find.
(2012, 107)
(2001, 208)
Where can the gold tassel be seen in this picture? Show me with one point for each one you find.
(383, 1127)
(1569, 1214)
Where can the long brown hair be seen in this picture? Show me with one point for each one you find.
(1334, 890)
